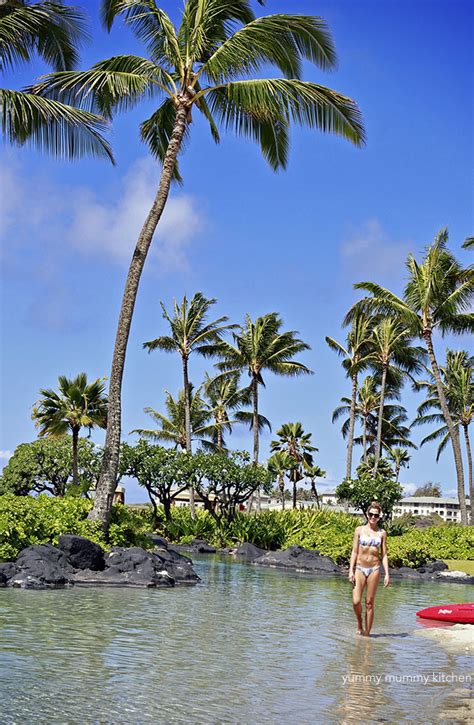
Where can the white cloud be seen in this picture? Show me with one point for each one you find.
(5, 455)
(94, 226)
(369, 251)
(409, 489)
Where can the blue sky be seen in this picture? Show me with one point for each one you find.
(293, 242)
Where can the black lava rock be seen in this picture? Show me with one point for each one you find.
(82, 553)
(300, 559)
(41, 566)
(249, 551)
(433, 566)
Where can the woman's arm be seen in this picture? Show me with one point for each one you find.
(355, 547)
(386, 580)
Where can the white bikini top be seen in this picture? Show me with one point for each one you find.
(369, 540)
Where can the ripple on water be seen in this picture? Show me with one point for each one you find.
(246, 645)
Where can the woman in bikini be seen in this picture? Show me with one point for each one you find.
(370, 543)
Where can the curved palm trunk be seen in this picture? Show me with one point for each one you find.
(350, 443)
(75, 472)
(254, 387)
(453, 433)
(378, 444)
(469, 466)
(108, 475)
(187, 424)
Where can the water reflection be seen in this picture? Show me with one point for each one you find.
(247, 645)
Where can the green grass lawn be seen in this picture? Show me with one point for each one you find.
(461, 565)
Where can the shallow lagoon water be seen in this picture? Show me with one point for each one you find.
(247, 645)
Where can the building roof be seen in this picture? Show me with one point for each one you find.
(429, 499)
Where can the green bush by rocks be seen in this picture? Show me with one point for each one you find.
(26, 520)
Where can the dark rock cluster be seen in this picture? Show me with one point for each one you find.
(78, 561)
(299, 559)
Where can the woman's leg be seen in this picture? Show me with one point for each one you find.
(357, 598)
(372, 584)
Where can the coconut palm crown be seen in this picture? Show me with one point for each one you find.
(78, 404)
(53, 32)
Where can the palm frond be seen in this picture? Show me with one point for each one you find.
(51, 126)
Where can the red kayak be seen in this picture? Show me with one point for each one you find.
(460, 613)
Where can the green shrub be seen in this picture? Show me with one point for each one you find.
(25, 520)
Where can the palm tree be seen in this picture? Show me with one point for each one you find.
(400, 458)
(293, 440)
(53, 32)
(226, 399)
(312, 473)
(458, 384)
(391, 348)
(78, 404)
(190, 332)
(368, 400)
(260, 346)
(436, 297)
(354, 352)
(197, 67)
(279, 465)
(173, 428)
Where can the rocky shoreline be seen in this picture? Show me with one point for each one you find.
(299, 559)
(76, 561)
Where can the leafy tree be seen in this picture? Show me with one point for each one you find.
(78, 404)
(173, 426)
(429, 489)
(312, 473)
(296, 443)
(368, 487)
(162, 472)
(207, 65)
(436, 297)
(354, 360)
(46, 465)
(391, 348)
(279, 465)
(53, 32)
(189, 332)
(458, 385)
(226, 481)
(260, 346)
(394, 432)
(400, 459)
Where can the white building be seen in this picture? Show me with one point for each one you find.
(447, 508)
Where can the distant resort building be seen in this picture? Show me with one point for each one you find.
(447, 508)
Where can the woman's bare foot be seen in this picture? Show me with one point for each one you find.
(361, 632)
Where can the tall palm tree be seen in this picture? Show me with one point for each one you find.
(293, 440)
(368, 400)
(78, 404)
(226, 400)
(279, 465)
(312, 473)
(458, 384)
(391, 348)
(53, 32)
(400, 459)
(173, 428)
(189, 332)
(206, 65)
(260, 346)
(353, 356)
(436, 297)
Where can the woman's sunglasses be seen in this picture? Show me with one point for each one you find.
(373, 515)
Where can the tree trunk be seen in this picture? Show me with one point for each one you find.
(75, 472)
(397, 471)
(187, 425)
(378, 444)
(469, 466)
(350, 444)
(108, 475)
(254, 386)
(219, 430)
(364, 439)
(282, 490)
(295, 481)
(453, 433)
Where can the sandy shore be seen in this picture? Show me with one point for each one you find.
(459, 638)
